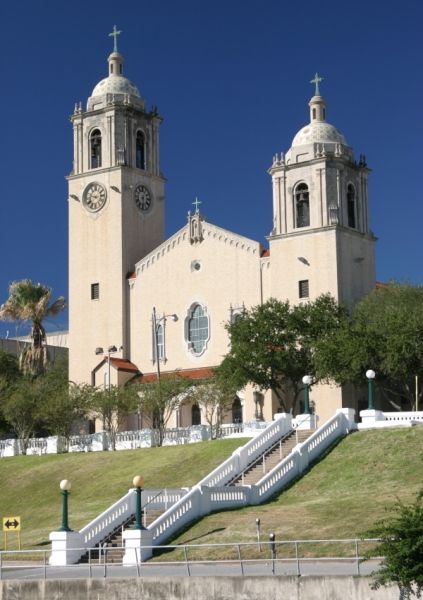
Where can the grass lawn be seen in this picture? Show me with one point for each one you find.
(340, 497)
(29, 485)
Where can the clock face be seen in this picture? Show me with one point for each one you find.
(143, 198)
(94, 197)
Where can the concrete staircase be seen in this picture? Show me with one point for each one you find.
(112, 549)
(269, 459)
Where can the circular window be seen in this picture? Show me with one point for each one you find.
(196, 265)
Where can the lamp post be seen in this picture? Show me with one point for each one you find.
(307, 381)
(110, 350)
(138, 482)
(370, 374)
(156, 324)
(65, 486)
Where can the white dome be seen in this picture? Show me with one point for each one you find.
(115, 84)
(320, 132)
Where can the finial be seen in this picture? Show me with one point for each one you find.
(317, 79)
(114, 35)
(197, 203)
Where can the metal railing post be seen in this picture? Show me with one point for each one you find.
(105, 562)
(137, 561)
(297, 558)
(45, 564)
(357, 557)
(186, 561)
(89, 563)
(240, 560)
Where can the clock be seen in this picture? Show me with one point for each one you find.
(94, 197)
(143, 198)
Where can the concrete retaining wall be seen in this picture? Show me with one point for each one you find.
(193, 588)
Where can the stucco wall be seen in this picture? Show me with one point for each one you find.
(192, 588)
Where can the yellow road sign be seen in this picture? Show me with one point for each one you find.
(11, 523)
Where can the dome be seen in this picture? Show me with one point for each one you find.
(115, 84)
(320, 132)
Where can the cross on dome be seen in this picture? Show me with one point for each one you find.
(114, 34)
(317, 79)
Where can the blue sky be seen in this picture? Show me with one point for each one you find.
(231, 80)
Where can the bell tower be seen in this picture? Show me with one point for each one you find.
(320, 241)
(116, 212)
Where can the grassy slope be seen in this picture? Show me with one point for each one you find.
(29, 485)
(339, 497)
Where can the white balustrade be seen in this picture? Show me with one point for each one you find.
(245, 455)
(9, 448)
(109, 520)
(371, 418)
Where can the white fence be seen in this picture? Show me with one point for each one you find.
(126, 440)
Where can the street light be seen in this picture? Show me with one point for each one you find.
(370, 374)
(307, 381)
(65, 486)
(156, 324)
(138, 482)
(110, 350)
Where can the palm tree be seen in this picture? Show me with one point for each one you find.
(29, 301)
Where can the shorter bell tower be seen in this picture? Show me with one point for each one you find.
(116, 212)
(320, 241)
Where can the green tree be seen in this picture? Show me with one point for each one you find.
(401, 546)
(215, 396)
(30, 301)
(273, 345)
(63, 404)
(159, 399)
(21, 408)
(113, 406)
(9, 373)
(384, 333)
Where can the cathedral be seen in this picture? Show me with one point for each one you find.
(141, 305)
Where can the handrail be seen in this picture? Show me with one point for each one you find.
(262, 456)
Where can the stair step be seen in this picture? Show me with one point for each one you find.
(271, 458)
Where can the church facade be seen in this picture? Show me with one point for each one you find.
(140, 304)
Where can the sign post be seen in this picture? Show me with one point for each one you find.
(12, 524)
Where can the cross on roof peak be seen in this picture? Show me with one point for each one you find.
(197, 203)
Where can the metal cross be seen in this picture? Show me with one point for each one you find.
(197, 203)
(114, 35)
(317, 79)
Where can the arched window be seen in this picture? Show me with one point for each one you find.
(351, 206)
(197, 329)
(236, 411)
(95, 149)
(302, 206)
(140, 150)
(195, 415)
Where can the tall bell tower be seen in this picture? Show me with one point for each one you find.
(116, 212)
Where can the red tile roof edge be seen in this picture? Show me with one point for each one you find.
(200, 373)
